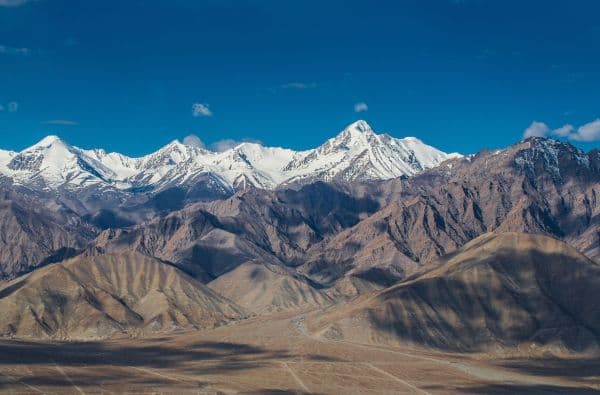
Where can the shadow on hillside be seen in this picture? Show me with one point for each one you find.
(538, 298)
(7, 291)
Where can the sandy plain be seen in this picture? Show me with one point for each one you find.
(277, 354)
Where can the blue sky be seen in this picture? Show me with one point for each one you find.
(459, 74)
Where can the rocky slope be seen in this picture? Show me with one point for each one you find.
(498, 291)
(274, 227)
(36, 231)
(382, 232)
(536, 186)
(102, 296)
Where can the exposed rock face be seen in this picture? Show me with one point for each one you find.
(102, 296)
(330, 231)
(536, 186)
(209, 239)
(192, 239)
(503, 290)
(36, 232)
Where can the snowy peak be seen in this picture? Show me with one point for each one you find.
(357, 153)
(49, 151)
(356, 134)
(51, 163)
(47, 142)
(359, 126)
(171, 154)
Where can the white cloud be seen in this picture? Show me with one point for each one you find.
(201, 110)
(564, 131)
(194, 141)
(536, 129)
(588, 132)
(64, 122)
(361, 107)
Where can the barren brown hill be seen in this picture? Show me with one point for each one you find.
(263, 289)
(102, 296)
(500, 290)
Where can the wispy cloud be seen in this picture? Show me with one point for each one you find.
(201, 110)
(224, 145)
(361, 107)
(587, 132)
(12, 106)
(7, 50)
(217, 146)
(64, 122)
(14, 3)
(299, 85)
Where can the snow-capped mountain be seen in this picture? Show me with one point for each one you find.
(356, 154)
(51, 162)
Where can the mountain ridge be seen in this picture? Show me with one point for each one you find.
(356, 153)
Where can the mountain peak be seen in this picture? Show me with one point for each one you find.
(356, 153)
(48, 141)
(360, 125)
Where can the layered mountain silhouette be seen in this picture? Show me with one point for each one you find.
(97, 244)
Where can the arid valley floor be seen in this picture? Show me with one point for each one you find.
(278, 354)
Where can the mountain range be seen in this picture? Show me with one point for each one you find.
(355, 154)
(361, 221)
